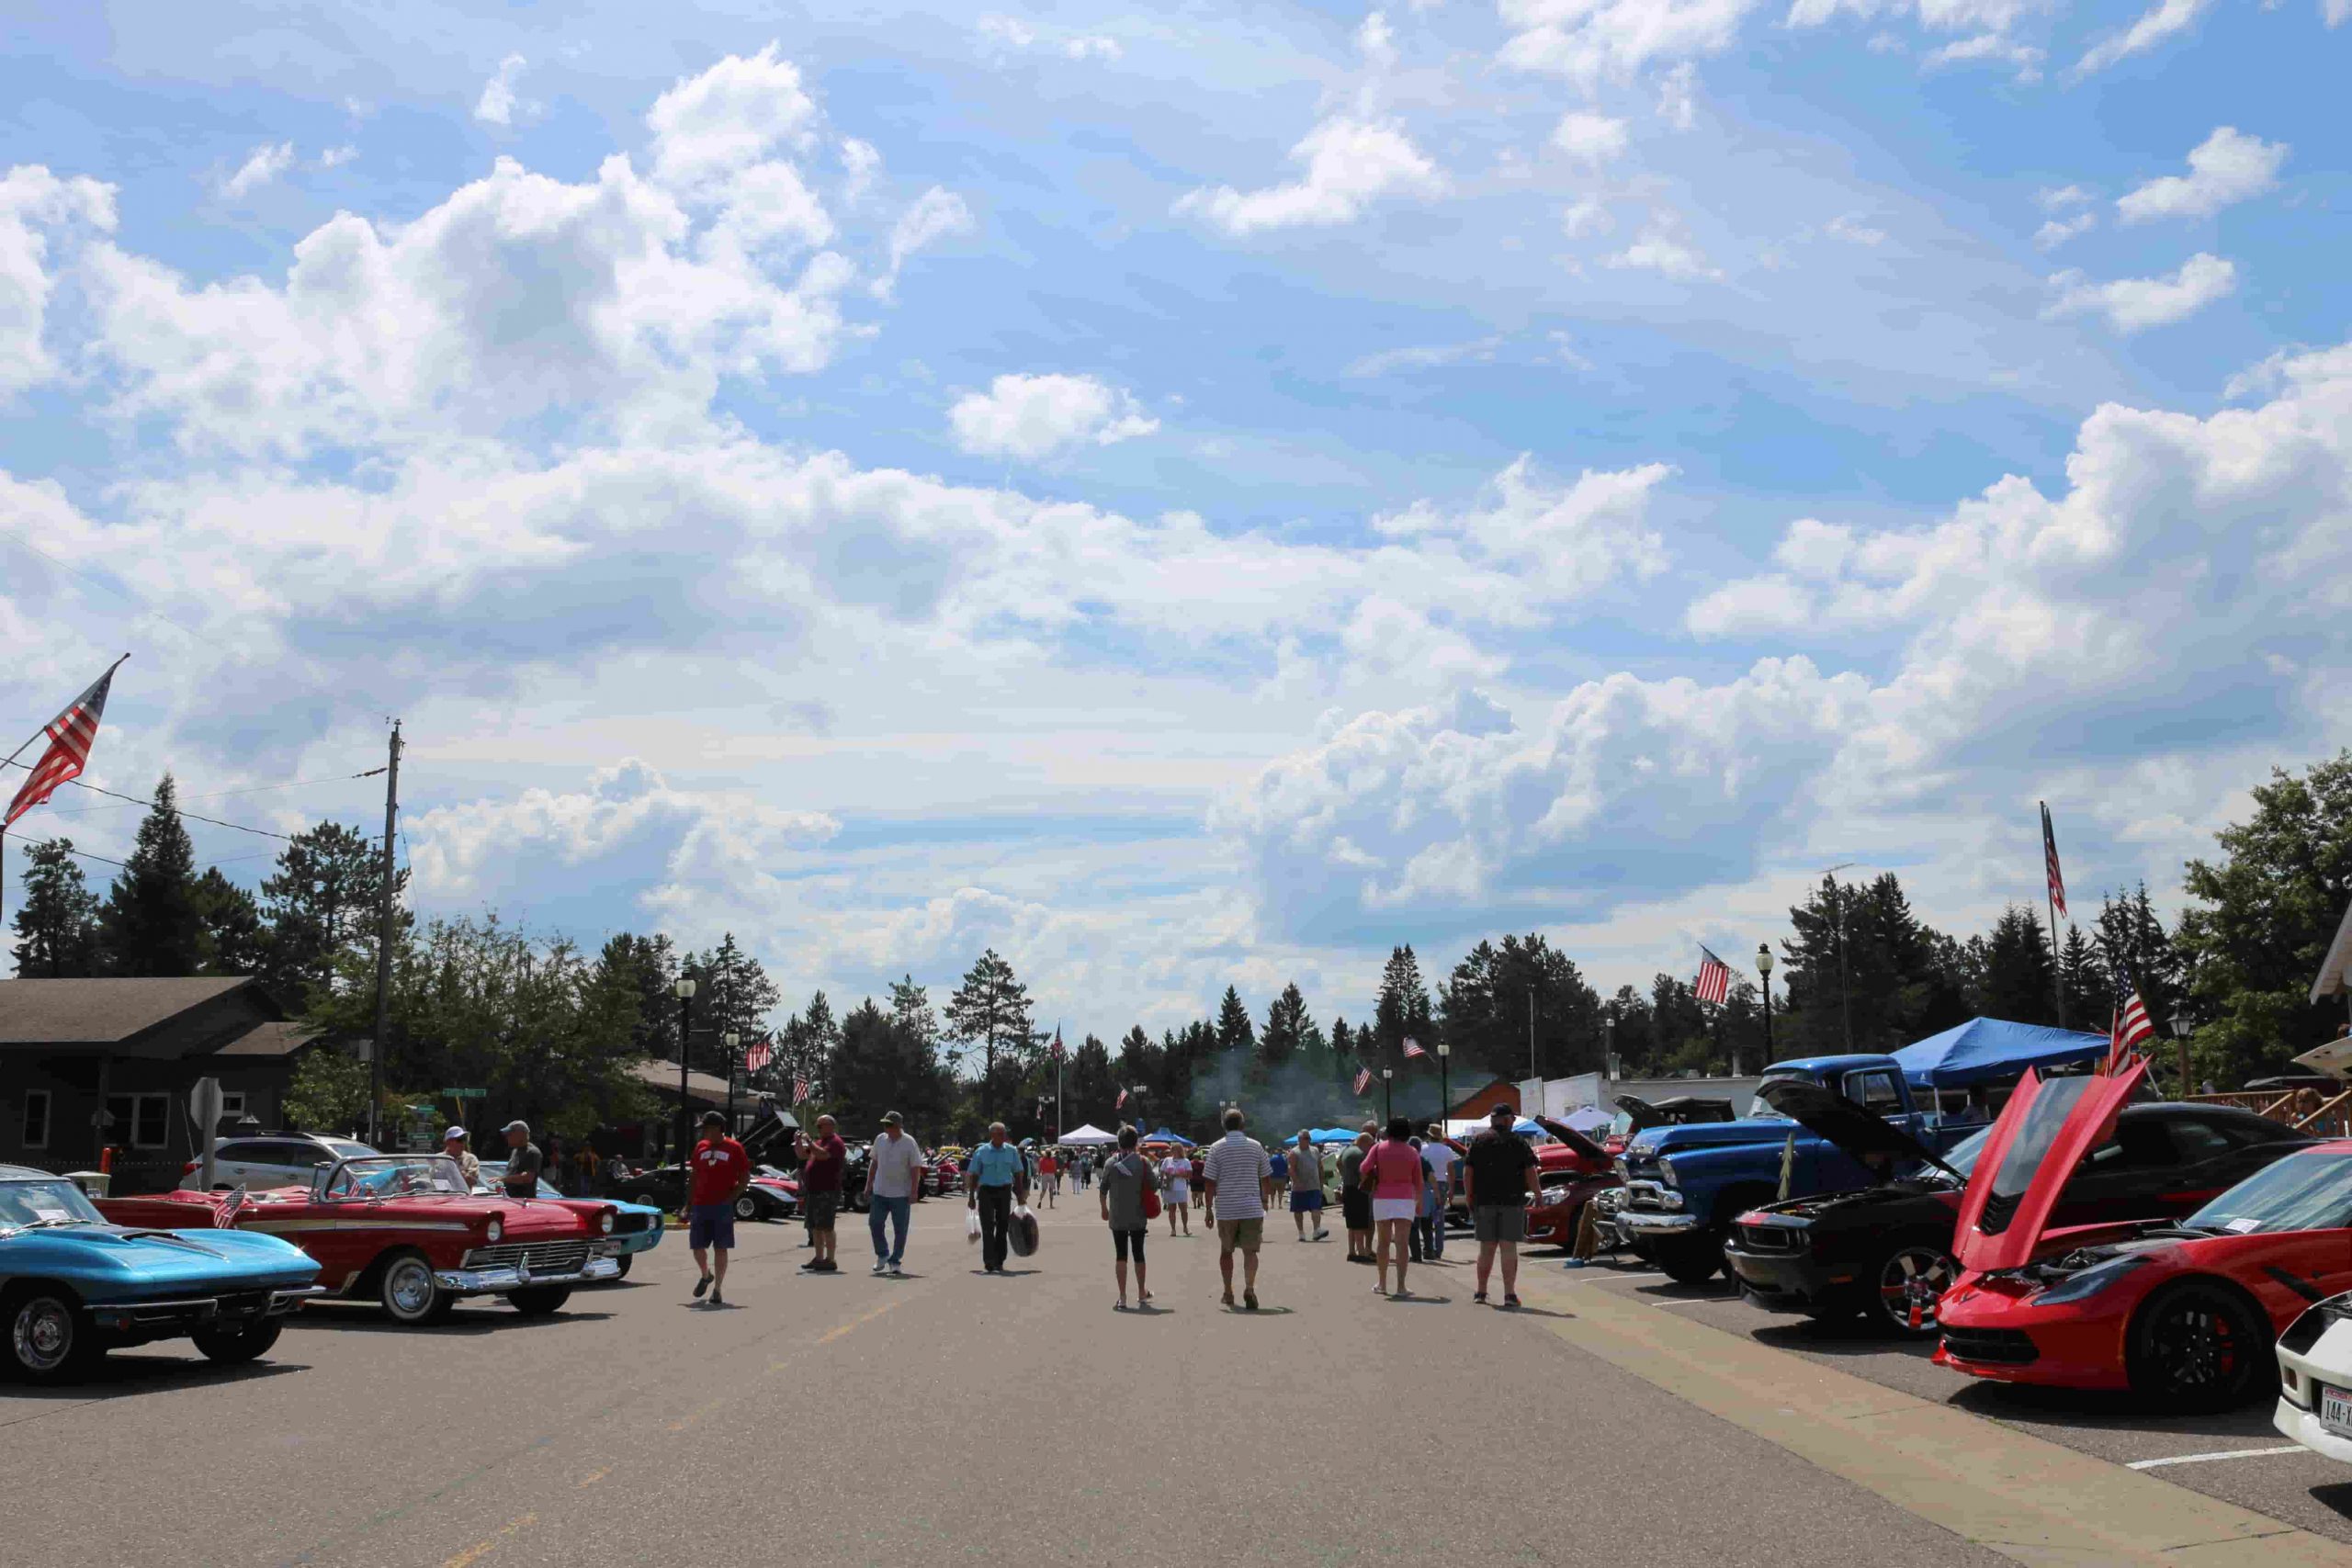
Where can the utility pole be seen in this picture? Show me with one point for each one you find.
(384, 946)
(1845, 993)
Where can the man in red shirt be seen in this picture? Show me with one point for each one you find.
(721, 1171)
(823, 1159)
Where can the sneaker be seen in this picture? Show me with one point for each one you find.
(1228, 1298)
(828, 1266)
(811, 1266)
(1249, 1300)
(897, 1272)
(880, 1267)
(1479, 1296)
(717, 1299)
(702, 1286)
(1575, 1263)
(1322, 1235)
(1510, 1301)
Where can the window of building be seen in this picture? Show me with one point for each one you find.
(36, 1128)
(139, 1119)
(232, 1105)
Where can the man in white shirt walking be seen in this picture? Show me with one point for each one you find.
(1234, 1176)
(1443, 1163)
(893, 1171)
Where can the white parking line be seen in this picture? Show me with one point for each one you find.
(1694, 1301)
(2201, 1459)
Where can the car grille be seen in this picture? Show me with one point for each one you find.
(540, 1257)
(1991, 1347)
(630, 1225)
(1771, 1238)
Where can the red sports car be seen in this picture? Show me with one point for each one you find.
(1573, 1171)
(2182, 1313)
(404, 1230)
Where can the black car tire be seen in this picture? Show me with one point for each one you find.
(49, 1339)
(747, 1207)
(2197, 1346)
(234, 1346)
(624, 1260)
(405, 1290)
(540, 1301)
(1914, 1259)
(1689, 1260)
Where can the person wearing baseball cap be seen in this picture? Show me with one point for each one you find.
(453, 1144)
(893, 1174)
(721, 1171)
(523, 1161)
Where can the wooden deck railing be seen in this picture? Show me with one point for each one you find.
(2305, 1110)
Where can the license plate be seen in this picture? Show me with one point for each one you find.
(2335, 1410)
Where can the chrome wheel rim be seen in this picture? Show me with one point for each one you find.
(746, 1209)
(409, 1288)
(43, 1335)
(1910, 1284)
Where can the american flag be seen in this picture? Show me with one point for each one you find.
(800, 1092)
(1120, 1103)
(1715, 977)
(70, 736)
(1413, 1047)
(758, 1055)
(2130, 1026)
(1363, 1079)
(2050, 862)
(1057, 1043)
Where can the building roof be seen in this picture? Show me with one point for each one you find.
(270, 1040)
(98, 1012)
(705, 1088)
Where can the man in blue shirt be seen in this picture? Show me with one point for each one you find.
(993, 1178)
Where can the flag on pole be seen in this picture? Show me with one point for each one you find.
(800, 1092)
(2049, 863)
(71, 734)
(758, 1055)
(1363, 1079)
(1057, 1043)
(1120, 1103)
(1413, 1048)
(1715, 977)
(2130, 1026)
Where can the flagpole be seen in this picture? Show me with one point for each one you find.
(1057, 1080)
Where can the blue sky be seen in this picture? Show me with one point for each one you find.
(1186, 496)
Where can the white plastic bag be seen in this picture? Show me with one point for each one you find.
(971, 1225)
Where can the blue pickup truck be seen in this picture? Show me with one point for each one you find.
(1685, 1185)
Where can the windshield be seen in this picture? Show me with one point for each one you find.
(1758, 1110)
(396, 1176)
(2303, 1192)
(1962, 1158)
(24, 1203)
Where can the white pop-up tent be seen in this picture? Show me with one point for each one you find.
(1088, 1137)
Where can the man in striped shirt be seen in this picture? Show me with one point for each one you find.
(1234, 1174)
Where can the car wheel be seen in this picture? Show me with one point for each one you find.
(1690, 1261)
(405, 1289)
(539, 1300)
(2198, 1346)
(47, 1339)
(232, 1347)
(624, 1260)
(747, 1207)
(1911, 1280)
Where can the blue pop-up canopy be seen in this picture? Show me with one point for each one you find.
(1165, 1137)
(1990, 1050)
(1333, 1135)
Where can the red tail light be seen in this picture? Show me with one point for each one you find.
(189, 1168)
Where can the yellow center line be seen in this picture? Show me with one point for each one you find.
(595, 1476)
(833, 1333)
(482, 1548)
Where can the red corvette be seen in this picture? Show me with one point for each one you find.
(404, 1231)
(2182, 1313)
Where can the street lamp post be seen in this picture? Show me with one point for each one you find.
(1387, 1093)
(2180, 1032)
(733, 1039)
(685, 991)
(1764, 967)
(1444, 1095)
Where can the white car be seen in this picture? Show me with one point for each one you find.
(272, 1159)
(2315, 1380)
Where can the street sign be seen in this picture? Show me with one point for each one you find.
(204, 1112)
(465, 1094)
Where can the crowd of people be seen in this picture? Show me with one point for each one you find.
(1395, 1184)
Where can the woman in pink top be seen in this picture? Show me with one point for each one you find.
(1392, 1174)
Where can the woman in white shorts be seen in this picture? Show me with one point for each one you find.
(1394, 1175)
(1176, 1179)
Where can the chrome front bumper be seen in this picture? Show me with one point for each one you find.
(1648, 1222)
(492, 1282)
(196, 1312)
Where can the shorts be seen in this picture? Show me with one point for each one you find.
(1355, 1206)
(1125, 1241)
(1499, 1222)
(1179, 1192)
(1306, 1200)
(1393, 1209)
(1240, 1235)
(818, 1208)
(711, 1225)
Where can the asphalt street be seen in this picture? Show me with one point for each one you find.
(951, 1415)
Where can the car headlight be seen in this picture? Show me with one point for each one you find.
(2090, 1281)
(1666, 1173)
(496, 1228)
(608, 1222)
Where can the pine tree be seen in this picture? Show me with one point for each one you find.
(57, 925)
(234, 938)
(1234, 1030)
(2016, 983)
(644, 969)
(1402, 1010)
(151, 925)
(991, 1010)
(1284, 1035)
(2082, 977)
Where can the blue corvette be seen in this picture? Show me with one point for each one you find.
(72, 1287)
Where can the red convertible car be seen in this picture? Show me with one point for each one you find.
(2182, 1313)
(403, 1230)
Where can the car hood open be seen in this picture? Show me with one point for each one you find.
(2043, 1133)
(1862, 1133)
(1584, 1147)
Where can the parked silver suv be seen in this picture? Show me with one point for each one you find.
(272, 1159)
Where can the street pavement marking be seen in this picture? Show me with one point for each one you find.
(1694, 1301)
(2030, 1499)
(480, 1550)
(2201, 1459)
(854, 1324)
(595, 1476)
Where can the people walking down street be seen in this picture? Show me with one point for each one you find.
(1445, 1170)
(1049, 1172)
(1176, 1177)
(1200, 1191)
(893, 1176)
(1392, 1175)
(1127, 1177)
(1355, 1204)
(825, 1159)
(1233, 1180)
(453, 1144)
(1419, 1235)
(1497, 1173)
(1305, 1173)
(993, 1178)
(721, 1170)
(523, 1161)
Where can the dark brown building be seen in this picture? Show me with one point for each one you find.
(85, 1063)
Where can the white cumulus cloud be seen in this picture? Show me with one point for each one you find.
(1589, 139)
(498, 104)
(261, 166)
(1031, 417)
(2226, 168)
(1350, 164)
(2166, 19)
(2135, 304)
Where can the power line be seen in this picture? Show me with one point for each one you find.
(217, 795)
(158, 805)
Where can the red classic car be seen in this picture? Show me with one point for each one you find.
(404, 1230)
(1573, 1170)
